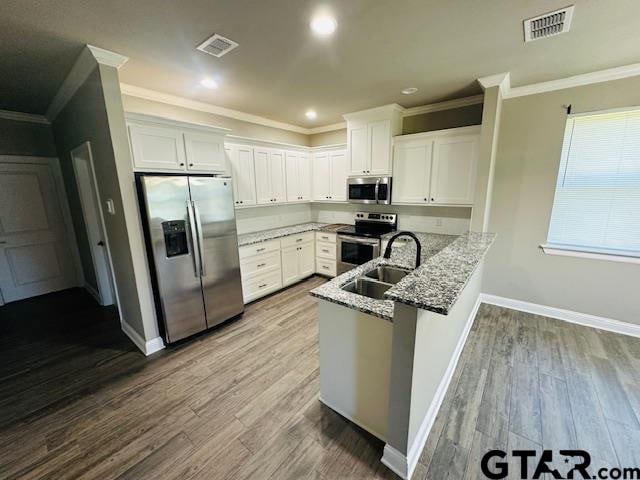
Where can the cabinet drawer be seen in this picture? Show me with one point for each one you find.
(326, 267)
(258, 248)
(257, 264)
(326, 250)
(326, 237)
(297, 239)
(261, 285)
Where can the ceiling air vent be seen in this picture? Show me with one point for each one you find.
(548, 25)
(217, 45)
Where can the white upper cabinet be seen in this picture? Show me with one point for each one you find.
(205, 152)
(453, 175)
(321, 176)
(380, 148)
(330, 170)
(339, 174)
(161, 145)
(270, 176)
(298, 171)
(412, 172)
(240, 159)
(157, 147)
(369, 138)
(358, 136)
(436, 168)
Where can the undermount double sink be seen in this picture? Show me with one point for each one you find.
(374, 283)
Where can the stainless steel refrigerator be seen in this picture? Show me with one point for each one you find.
(191, 233)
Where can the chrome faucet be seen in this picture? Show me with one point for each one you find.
(387, 252)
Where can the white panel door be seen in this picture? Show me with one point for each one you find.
(204, 152)
(358, 149)
(321, 176)
(292, 170)
(35, 256)
(304, 175)
(339, 174)
(412, 172)
(240, 160)
(157, 148)
(306, 259)
(278, 176)
(453, 174)
(379, 148)
(264, 193)
(289, 265)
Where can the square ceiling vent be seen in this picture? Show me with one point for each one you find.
(548, 25)
(217, 45)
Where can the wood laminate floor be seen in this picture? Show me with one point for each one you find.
(77, 400)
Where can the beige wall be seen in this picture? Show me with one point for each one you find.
(426, 122)
(24, 138)
(334, 137)
(238, 127)
(528, 155)
(456, 117)
(84, 118)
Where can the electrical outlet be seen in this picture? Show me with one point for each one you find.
(438, 222)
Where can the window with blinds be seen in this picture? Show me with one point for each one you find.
(597, 202)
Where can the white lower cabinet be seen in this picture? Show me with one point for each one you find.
(269, 266)
(261, 270)
(326, 254)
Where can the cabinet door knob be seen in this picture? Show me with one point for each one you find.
(191, 164)
(425, 199)
(433, 199)
(182, 164)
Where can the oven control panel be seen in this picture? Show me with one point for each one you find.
(376, 217)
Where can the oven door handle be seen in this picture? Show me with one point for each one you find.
(365, 241)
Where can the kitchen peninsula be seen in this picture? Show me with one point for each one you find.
(391, 334)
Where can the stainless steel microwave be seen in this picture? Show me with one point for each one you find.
(374, 190)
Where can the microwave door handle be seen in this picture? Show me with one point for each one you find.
(194, 240)
(203, 270)
(377, 190)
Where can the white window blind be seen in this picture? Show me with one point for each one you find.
(597, 202)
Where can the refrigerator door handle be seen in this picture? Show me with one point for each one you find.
(203, 270)
(194, 240)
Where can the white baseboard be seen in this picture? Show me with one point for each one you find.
(585, 319)
(353, 420)
(93, 292)
(394, 459)
(152, 346)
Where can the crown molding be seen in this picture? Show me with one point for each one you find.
(599, 76)
(328, 128)
(500, 80)
(169, 99)
(107, 57)
(372, 112)
(88, 59)
(23, 117)
(447, 105)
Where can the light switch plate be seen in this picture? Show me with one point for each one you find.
(111, 208)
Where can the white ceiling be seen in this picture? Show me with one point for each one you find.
(280, 69)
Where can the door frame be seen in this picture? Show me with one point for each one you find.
(58, 183)
(105, 295)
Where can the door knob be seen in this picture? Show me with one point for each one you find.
(101, 243)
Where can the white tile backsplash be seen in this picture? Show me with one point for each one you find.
(273, 216)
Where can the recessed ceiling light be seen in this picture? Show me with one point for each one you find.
(409, 90)
(323, 25)
(311, 114)
(209, 82)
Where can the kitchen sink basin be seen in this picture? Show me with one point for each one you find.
(390, 275)
(367, 288)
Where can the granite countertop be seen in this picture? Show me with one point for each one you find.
(447, 262)
(273, 233)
